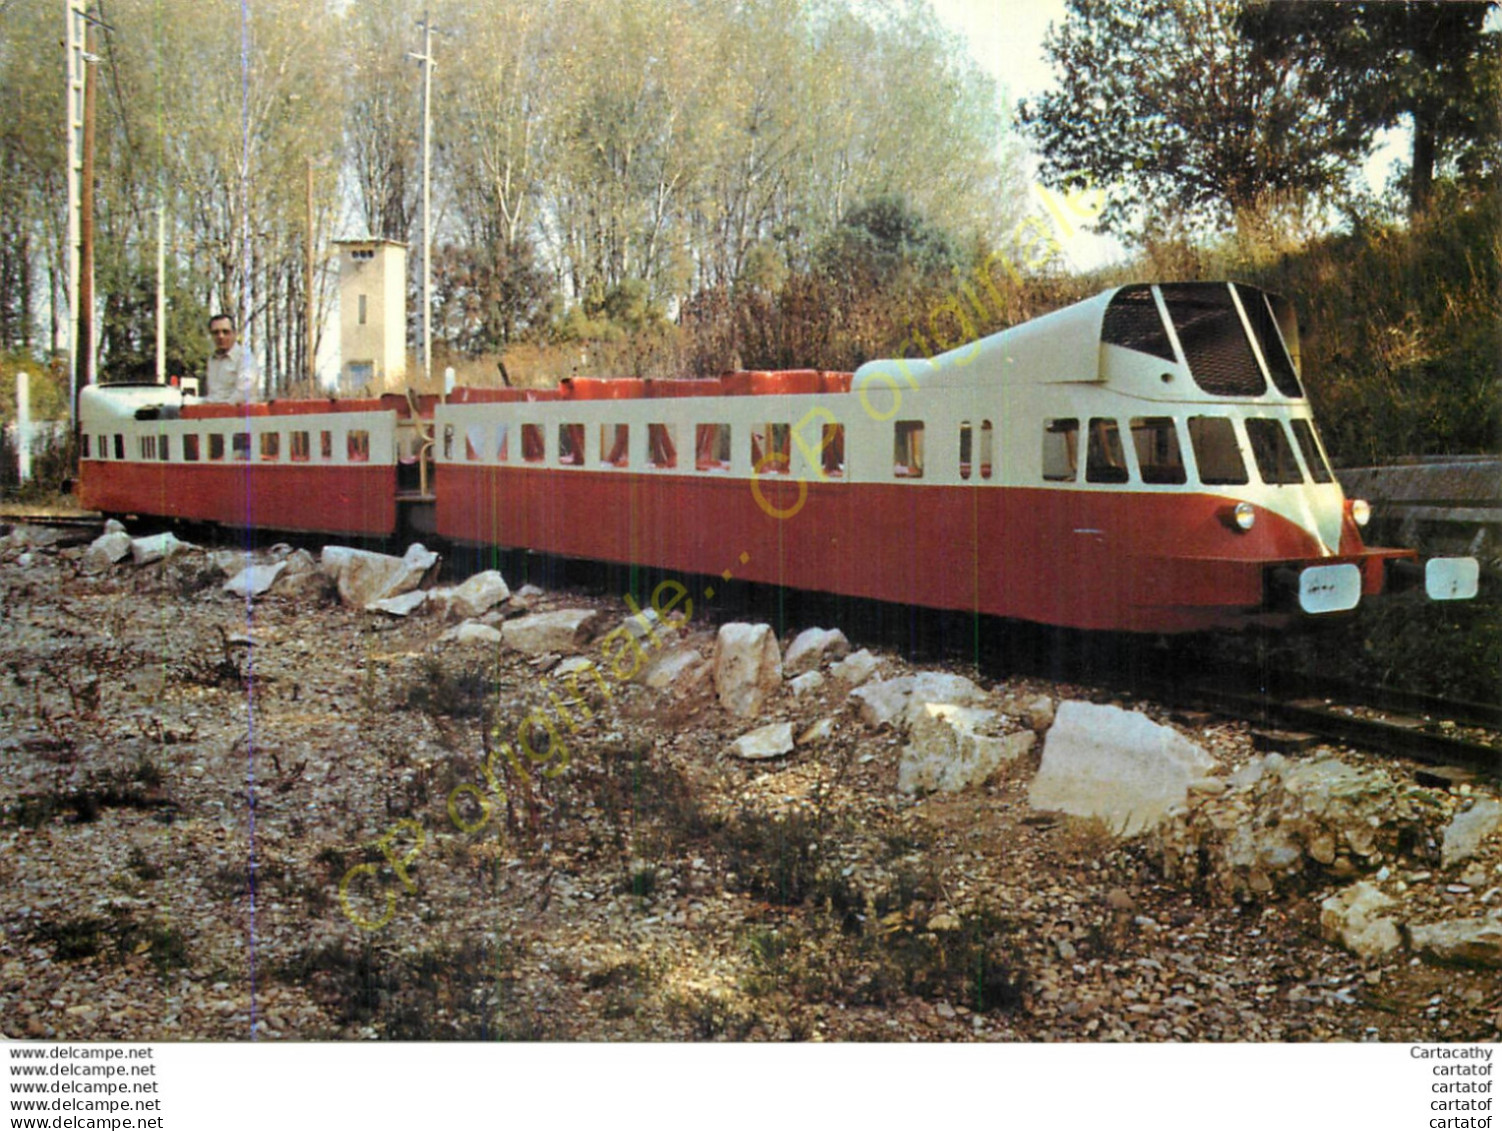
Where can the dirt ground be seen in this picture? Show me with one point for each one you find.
(221, 819)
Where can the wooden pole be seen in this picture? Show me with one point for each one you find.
(86, 219)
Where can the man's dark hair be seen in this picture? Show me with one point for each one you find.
(222, 318)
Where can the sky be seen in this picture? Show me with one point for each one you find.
(1006, 39)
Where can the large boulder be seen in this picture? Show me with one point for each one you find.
(1115, 765)
(364, 577)
(951, 747)
(811, 647)
(564, 632)
(747, 667)
(254, 580)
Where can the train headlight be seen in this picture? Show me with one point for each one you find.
(1244, 516)
(1361, 512)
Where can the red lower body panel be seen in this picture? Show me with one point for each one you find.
(285, 496)
(1140, 562)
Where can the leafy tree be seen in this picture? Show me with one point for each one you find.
(1374, 64)
(1164, 105)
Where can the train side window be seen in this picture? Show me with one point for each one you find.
(832, 451)
(240, 445)
(164, 447)
(965, 453)
(271, 445)
(502, 445)
(1105, 462)
(907, 449)
(357, 445)
(662, 445)
(987, 449)
(104, 446)
(1273, 452)
(1061, 450)
(84, 454)
(148, 446)
(532, 448)
(571, 444)
(1314, 459)
(448, 441)
(1216, 451)
(302, 448)
(119, 445)
(216, 445)
(1158, 455)
(190, 447)
(325, 444)
(615, 445)
(474, 442)
(712, 447)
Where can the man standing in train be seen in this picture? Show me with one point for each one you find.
(232, 376)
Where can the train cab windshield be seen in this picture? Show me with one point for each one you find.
(1224, 358)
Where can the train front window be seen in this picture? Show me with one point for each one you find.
(1273, 452)
(1104, 461)
(1158, 455)
(1215, 343)
(1314, 460)
(1259, 314)
(1132, 321)
(1216, 451)
(1061, 446)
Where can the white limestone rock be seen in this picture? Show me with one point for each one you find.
(772, 741)
(404, 605)
(806, 684)
(747, 667)
(1118, 766)
(474, 597)
(811, 647)
(901, 700)
(564, 632)
(1460, 942)
(883, 701)
(1353, 917)
(157, 547)
(471, 632)
(856, 668)
(252, 581)
(952, 747)
(818, 733)
(1466, 831)
(678, 669)
(104, 551)
(364, 577)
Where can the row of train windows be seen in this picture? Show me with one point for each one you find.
(1160, 459)
(299, 449)
(770, 447)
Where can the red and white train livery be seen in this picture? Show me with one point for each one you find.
(1141, 461)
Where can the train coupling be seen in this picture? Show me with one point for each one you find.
(1443, 579)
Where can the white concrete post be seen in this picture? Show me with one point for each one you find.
(448, 381)
(23, 427)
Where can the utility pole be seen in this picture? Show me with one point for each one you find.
(426, 59)
(85, 364)
(161, 294)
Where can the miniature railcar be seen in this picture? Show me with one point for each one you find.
(1141, 461)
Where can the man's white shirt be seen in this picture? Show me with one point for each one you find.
(232, 379)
